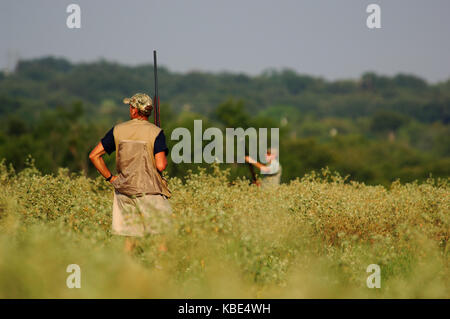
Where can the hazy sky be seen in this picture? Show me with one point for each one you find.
(322, 38)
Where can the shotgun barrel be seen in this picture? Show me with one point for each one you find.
(156, 104)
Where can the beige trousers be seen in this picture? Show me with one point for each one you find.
(138, 216)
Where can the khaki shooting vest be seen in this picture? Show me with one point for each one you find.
(135, 161)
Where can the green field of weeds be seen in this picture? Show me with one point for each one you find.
(311, 238)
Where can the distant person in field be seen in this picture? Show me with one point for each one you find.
(271, 170)
(141, 194)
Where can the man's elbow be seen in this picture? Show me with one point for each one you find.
(93, 156)
(264, 169)
(160, 161)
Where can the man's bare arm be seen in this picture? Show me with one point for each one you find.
(96, 158)
(262, 167)
(161, 161)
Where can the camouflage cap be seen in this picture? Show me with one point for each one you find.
(140, 101)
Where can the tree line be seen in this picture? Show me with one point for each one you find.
(374, 129)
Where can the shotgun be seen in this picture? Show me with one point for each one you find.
(156, 98)
(251, 167)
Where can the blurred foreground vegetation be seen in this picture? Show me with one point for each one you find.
(375, 129)
(311, 238)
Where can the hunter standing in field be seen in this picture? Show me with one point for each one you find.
(271, 170)
(141, 194)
